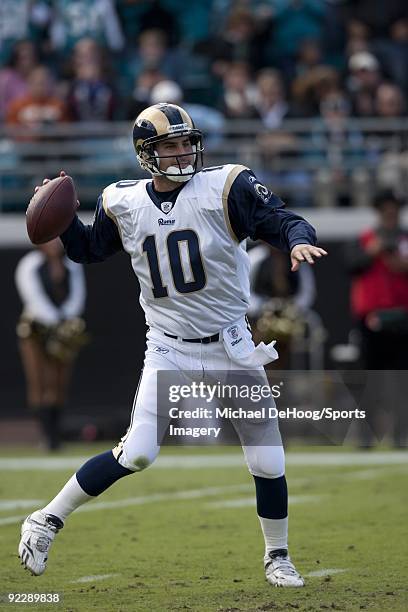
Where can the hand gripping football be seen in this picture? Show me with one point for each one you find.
(51, 210)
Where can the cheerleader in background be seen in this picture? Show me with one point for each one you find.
(50, 331)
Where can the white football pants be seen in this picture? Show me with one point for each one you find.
(139, 447)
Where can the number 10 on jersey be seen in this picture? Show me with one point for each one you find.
(176, 241)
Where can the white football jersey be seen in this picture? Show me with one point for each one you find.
(193, 273)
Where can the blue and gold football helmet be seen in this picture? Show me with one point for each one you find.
(161, 122)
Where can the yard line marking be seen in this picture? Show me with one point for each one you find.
(178, 495)
(344, 459)
(39, 464)
(365, 474)
(11, 520)
(251, 501)
(324, 572)
(93, 578)
(147, 499)
(371, 473)
(186, 461)
(233, 503)
(14, 504)
(200, 461)
(154, 497)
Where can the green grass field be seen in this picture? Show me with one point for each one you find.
(184, 535)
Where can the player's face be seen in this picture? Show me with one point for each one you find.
(177, 152)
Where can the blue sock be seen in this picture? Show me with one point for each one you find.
(271, 497)
(99, 473)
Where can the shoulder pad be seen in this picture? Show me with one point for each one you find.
(218, 176)
(233, 170)
(116, 196)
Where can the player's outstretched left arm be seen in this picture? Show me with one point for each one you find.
(305, 252)
(256, 212)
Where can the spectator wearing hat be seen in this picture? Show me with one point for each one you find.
(364, 79)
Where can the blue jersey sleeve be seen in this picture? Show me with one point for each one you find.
(92, 243)
(257, 213)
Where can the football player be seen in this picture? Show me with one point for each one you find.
(185, 232)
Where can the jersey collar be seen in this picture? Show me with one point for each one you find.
(164, 200)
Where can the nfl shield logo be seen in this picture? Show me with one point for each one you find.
(166, 207)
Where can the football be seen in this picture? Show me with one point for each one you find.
(51, 210)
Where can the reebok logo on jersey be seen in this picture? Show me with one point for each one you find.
(166, 221)
(160, 349)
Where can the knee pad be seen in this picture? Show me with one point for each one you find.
(265, 461)
(136, 463)
(138, 448)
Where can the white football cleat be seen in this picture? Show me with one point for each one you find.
(37, 534)
(280, 571)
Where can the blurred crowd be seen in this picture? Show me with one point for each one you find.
(92, 60)
(227, 62)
